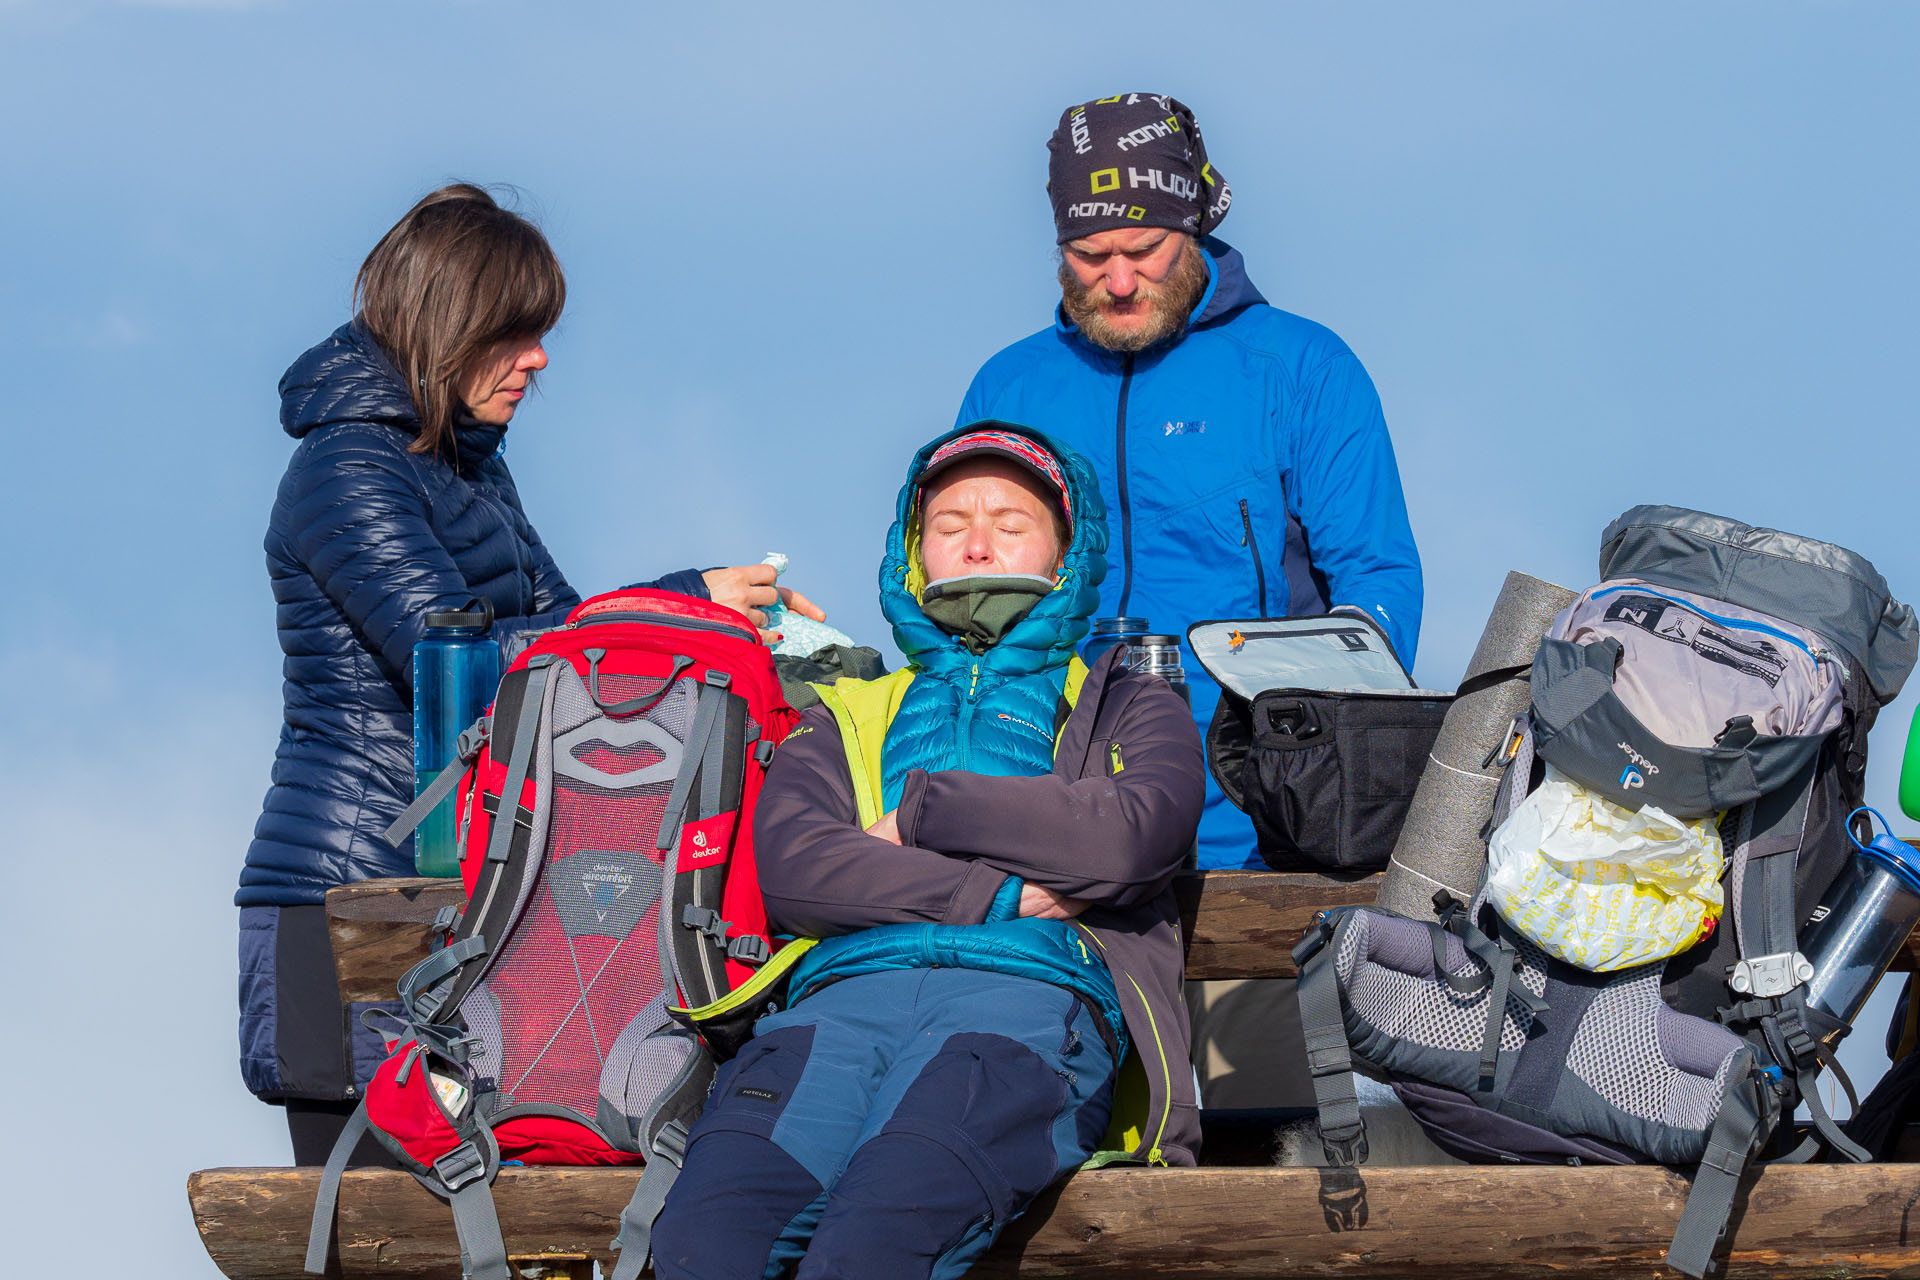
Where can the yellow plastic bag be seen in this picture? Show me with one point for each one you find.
(1600, 886)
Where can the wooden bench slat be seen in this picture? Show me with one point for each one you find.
(1454, 1223)
(1238, 924)
(380, 929)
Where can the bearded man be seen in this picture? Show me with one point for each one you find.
(1242, 448)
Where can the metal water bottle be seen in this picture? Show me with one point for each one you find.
(456, 668)
(1160, 656)
(1155, 654)
(1867, 917)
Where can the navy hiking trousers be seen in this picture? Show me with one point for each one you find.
(890, 1125)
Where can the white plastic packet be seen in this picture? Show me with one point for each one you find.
(1600, 886)
(802, 636)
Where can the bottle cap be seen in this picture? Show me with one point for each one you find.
(474, 615)
(1896, 855)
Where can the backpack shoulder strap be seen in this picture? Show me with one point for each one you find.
(694, 938)
(634, 1244)
(1769, 979)
(443, 980)
(1745, 1119)
(1343, 1131)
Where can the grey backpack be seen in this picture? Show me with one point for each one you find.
(1717, 669)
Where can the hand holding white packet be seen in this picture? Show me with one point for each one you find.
(801, 636)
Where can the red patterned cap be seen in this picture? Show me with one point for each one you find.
(1026, 452)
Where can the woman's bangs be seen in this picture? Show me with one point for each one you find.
(530, 290)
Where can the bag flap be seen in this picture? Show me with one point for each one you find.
(1823, 587)
(1337, 652)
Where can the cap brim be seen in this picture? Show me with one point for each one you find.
(974, 454)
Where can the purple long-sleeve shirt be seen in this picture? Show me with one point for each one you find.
(1114, 836)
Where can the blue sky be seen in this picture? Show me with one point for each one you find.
(1592, 256)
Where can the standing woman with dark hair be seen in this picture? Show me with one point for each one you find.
(397, 502)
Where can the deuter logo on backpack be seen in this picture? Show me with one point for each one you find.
(709, 840)
(1632, 778)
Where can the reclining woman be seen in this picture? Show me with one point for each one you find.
(985, 841)
(396, 502)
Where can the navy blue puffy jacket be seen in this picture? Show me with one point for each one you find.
(366, 539)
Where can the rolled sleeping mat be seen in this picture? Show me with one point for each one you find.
(1441, 847)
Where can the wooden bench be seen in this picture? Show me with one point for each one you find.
(1440, 1222)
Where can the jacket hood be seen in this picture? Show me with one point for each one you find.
(1228, 289)
(1051, 633)
(348, 378)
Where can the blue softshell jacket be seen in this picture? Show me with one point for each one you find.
(1248, 470)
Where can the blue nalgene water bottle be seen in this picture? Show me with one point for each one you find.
(1862, 926)
(456, 667)
(1108, 632)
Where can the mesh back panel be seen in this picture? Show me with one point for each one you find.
(1618, 1052)
(641, 1069)
(481, 1012)
(582, 965)
(1648, 1064)
(1386, 966)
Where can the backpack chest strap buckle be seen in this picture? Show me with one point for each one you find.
(460, 1166)
(707, 921)
(1346, 1145)
(749, 949)
(1770, 976)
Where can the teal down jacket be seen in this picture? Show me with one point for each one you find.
(993, 714)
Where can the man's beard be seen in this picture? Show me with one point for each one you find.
(1168, 304)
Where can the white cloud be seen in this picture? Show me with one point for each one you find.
(114, 327)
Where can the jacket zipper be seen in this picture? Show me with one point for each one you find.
(1259, 570)
(1736, 623)
(1126, 510)
(967, 704)
(1154, 1155)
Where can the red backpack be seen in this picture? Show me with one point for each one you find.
(613, 941)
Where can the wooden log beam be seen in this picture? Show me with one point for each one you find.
(1244, 924)
(1453, 1223)
(380, 929)
(1238, 924)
